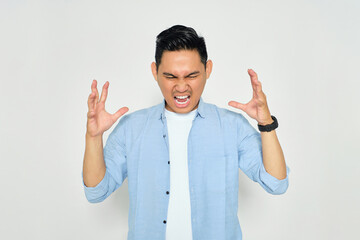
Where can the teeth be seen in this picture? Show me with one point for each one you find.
(181, 97)
(181, 103)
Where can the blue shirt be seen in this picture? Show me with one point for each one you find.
(220, 141)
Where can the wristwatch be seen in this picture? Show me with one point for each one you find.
(269, 127)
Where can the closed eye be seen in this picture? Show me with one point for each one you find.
(192, 76)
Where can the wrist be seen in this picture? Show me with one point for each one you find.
(266, 122)
(88, 136)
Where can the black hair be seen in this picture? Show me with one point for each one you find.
(179, 37)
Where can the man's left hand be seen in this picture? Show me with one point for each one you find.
(257, 107)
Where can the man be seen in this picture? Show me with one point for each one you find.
(182, 156)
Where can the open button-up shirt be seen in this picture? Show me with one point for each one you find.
(219, 143)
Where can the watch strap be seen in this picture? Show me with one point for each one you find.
(269, 127)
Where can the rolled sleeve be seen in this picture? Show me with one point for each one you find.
(116, 166)
(271, 184)
(99, 192)
(251, 159)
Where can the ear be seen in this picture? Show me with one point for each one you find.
(209, 65)
(153, 70)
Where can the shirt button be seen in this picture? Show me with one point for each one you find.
(167, 192)
(164, 221)
(168, 162)
(164, 135)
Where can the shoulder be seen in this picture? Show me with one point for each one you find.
(231, 119)
(140, 116)
(134, 122)
(226, 114)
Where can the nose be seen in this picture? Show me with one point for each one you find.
(181, 85)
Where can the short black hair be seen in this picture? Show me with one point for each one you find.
(179, 37)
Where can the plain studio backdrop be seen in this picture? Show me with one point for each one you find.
(306, 54)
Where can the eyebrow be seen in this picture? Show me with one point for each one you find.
(169, 74)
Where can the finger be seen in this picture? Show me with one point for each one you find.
(94, 89)
(256, 85)
(92, 95)
(119, 113)
(237, 105)
(104, 92)
(91, 101)
(91, 114)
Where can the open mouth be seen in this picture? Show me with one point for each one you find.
(182, 101)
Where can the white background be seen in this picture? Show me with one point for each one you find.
(306, 54)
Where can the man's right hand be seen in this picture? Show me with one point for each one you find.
(98, 120)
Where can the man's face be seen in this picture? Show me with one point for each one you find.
(181, 74)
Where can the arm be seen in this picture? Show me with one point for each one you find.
(251, 160)
(257, 108)
(93, 166)
(96, 178)
(273, 157)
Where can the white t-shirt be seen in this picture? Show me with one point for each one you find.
(178, 224)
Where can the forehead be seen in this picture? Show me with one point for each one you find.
(180, 61)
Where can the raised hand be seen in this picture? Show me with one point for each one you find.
(257, 107)
(98, 120)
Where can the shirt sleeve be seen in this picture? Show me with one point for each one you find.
(116, 166)
(251, 159)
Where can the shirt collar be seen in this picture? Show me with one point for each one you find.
(200, 109)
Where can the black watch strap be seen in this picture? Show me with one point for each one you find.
(269, 127)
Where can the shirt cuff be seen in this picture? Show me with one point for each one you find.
(272, 184)
(95, 194)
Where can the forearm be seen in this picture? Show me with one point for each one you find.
(93, 166)
(273, 157)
